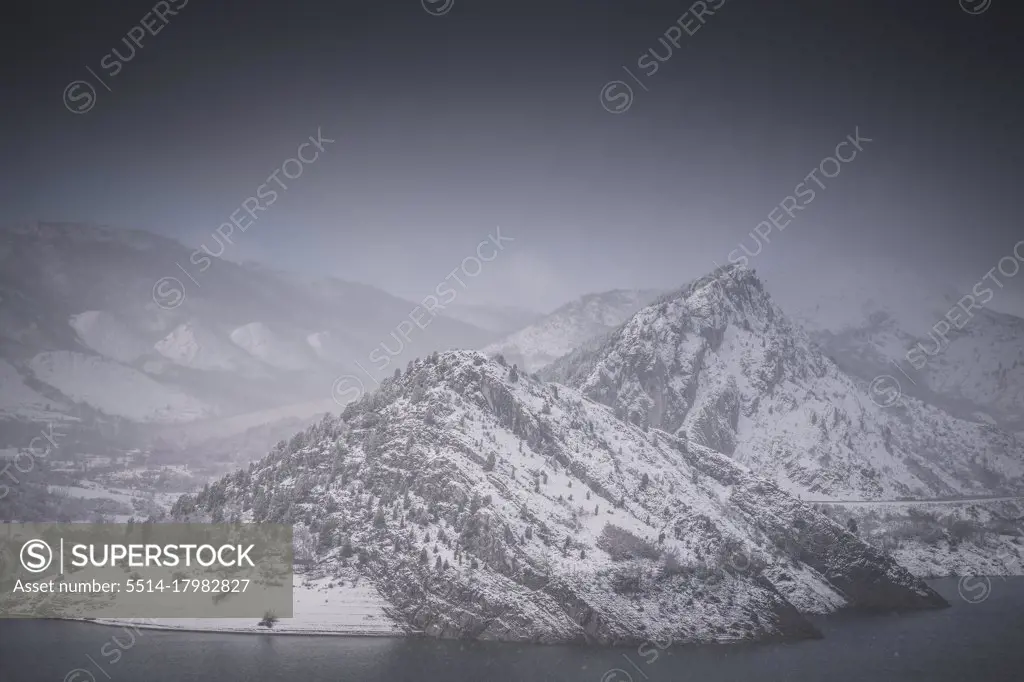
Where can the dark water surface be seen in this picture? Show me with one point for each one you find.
(970, 642)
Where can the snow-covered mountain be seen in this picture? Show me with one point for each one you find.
(481, 503)
(264, 344)
(945, 346)
(87, 330)
(193, 345)
(720, 363)
(568, 327)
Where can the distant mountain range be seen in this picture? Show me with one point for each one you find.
(629, 467)
(98, 322)
(88, 335)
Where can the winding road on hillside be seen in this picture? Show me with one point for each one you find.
(959, 500)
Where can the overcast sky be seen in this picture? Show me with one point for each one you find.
(491, 115)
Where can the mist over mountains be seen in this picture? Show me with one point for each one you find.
(633, 463)
(88, 333)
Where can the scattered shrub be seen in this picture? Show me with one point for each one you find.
(627, 581)
(623, 545)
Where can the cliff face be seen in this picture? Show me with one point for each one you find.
(484, 504)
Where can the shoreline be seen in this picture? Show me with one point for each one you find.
(256, 630)
(128, 624)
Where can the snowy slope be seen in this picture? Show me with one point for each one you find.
(483, 504)
(937, 540)
(320, 606)
(115, 389)
(719, 362)
(193, 345)
(19, 401)
(104, 333)
(260, 342)
(570, 326)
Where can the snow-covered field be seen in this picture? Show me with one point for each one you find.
(322, 606)
(90, 490)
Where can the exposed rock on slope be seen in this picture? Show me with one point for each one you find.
(719, 362)
(484, 504)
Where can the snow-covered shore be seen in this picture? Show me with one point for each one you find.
(323, 606)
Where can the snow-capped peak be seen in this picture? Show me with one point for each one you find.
(719, 362)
